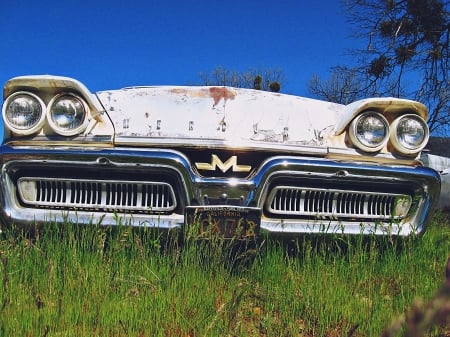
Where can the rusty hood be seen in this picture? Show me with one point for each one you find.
(222, 114)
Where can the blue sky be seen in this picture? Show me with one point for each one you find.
(112, 44)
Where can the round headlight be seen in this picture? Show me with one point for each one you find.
(23, 113)
(369, 131)
(67, 114)
(409, 134)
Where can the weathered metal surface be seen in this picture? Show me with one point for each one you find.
(215, 116)
(234, 115)
(241, 118)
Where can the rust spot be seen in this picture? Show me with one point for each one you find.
(178, 91)
(218, 93)
(53, 84)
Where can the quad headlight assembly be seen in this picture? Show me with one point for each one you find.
(25, 113)
(371, 132)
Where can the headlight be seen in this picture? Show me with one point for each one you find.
(409, 134)
(23, 113)
(369, 131)
(67, 114)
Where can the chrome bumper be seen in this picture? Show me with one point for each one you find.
(142, 187)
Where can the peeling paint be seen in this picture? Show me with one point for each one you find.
(241, 117)
(250, 115)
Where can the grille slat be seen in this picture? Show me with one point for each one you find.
(312, 202)
(134, 196)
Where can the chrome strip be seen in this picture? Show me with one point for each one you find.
(421, 183)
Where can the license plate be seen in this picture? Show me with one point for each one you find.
(224, 221)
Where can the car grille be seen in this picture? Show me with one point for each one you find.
(106, 195)
(335, 204)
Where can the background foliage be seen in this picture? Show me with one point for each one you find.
(406, 55)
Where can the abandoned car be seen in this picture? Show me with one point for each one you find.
(236, 161)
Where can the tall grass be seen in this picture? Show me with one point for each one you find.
(93, 281)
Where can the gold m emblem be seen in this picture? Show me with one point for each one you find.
(224, 167)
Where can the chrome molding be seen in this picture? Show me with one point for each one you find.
(152, 187)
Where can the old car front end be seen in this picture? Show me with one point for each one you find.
(165, 157)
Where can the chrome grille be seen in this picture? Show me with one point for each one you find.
(107, 195)
(335, 204)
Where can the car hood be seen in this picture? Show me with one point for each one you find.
(222, 114)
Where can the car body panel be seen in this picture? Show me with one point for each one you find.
(228, 115)
(442, 165)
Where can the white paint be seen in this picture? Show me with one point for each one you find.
(441, 165)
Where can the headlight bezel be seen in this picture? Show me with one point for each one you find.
(398, 144)
(67, 131)
(365, 145)
(24, 131)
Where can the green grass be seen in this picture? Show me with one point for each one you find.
(93, 281)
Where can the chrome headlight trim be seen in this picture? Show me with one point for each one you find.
(409, 134)
(27, 104)
(67, 114)
(369, 131)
